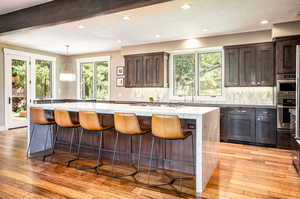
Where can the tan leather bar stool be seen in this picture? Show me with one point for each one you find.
(128, 124)
(63, 120)
(92, 123)
(38, 117)
(168, 127)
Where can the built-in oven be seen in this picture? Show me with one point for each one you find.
(284, 108)
(286, 85)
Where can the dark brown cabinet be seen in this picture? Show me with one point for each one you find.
(286, 55)
(232, 67)
(240, 124)
(251, 125)
(265, 126)
(146, 70)
(249, 65)
(265, 70)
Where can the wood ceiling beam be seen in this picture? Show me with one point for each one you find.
(64, 11)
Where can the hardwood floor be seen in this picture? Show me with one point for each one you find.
(244, 172)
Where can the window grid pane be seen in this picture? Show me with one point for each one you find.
(101, 80)
(43, 79)
(87, 84)
(184, 74)
(210, 74)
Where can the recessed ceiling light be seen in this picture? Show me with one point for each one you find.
(264, 22)
(186, 6)
(204, 30)
(81, 27)
(126, 18)
(157, 36)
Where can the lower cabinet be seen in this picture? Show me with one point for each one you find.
(252, 125)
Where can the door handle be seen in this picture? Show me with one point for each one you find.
(9, 100)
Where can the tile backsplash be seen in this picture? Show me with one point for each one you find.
(234, 95)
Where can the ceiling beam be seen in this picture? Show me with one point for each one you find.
(64, 11)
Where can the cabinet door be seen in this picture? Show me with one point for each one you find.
(266, 126)
(223, 135)
(240, 124)
(158, 71)
(130, 72)
(286, 56)
(247, 67)
(134, 76)
(232, 67)
(265, 74)
(148, 67)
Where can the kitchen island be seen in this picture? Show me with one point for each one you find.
(206, 131)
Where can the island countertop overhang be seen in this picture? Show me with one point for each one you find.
(185, 112)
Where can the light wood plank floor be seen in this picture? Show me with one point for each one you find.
(244, 172)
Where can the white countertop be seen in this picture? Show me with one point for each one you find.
(187, 112)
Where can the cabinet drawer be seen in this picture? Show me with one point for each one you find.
(284, 139)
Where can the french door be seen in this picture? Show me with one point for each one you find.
(17, 88)
(27, 77)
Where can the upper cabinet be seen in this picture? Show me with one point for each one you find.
(146, 70)
(249, 65)
(286, 55)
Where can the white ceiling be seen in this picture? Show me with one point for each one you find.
(167, 19)
(13, 5)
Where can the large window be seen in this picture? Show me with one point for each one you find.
(94, 78)
(43, 79)
(197, 74)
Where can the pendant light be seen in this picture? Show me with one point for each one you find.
(67, 76)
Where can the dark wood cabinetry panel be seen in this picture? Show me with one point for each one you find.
(240, 124)
(232, 67)
(266, 126)
(286, 56)
(251, 125)
(265, 66)
(284, 138)
(247, 65)
(146, 70)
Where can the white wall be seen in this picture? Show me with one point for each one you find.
(286, 29)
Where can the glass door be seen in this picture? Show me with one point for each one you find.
(17, 90)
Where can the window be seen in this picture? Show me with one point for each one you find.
(43, 79)
(94, 78)
(210, 74)
(198, 74)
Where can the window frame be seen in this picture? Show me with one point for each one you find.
(197, 96)
(92, 60)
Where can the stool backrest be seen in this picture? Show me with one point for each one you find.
(38, 116)
(127, 123)
(63, 118)
(90, 120)
(167, 127)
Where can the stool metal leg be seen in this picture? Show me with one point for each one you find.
(71, 146)
(151, 156)
(140, 149)
(99, 153)
(30, 141)
(45, 144)
(114, 156)
(79, 143)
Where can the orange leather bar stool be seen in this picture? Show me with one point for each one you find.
(168, 127)
(38, 117)
(92, 123)
(128, 124)
(63, 120)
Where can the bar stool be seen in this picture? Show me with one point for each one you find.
(91, 122)
(64, 121)
(38, 117)
(128, 124)
(167, 127)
